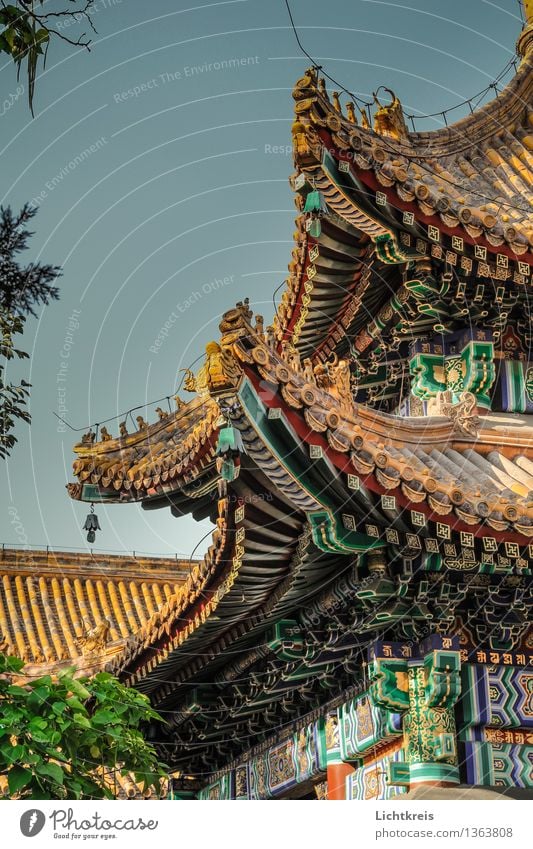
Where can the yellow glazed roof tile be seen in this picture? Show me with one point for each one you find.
(59, 607)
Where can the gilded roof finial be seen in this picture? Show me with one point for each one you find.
(525, 39)
(93, 640)
(388, 119)
(350, 111)
(336, 102)
(299, 140)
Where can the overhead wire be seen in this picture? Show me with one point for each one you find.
(411, 117)
(131, 409)
(343, 88)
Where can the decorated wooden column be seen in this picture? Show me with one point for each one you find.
(423, 685)
(337, 771)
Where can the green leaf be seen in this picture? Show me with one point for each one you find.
(52, 770)
(103, 717)
(75, 687)
(82, 720)
(45, 680)
(14, 664)
(38, 696)
(40, 736)
(74, 789)
(13, 12)
(120, 709)
(42, 35)
(104, 678)
(14, 690)
(12, 754)
(9, 35)
(37, 724)
(74, 703)
(17, 778)
(27, 35)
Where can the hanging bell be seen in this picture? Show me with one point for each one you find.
(228, 452)
(91, 525)
(315, 207)
(315, 202)
(229, 441)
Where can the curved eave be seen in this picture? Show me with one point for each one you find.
(326, 274)
(161, 459)
(453, 173)
(253, 545)
(480, 485)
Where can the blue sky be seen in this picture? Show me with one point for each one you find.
(159, 162)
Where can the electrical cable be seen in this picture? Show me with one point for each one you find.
(411, 117)
(132, 409)
(318, 67)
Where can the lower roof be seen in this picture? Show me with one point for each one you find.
(60, 607)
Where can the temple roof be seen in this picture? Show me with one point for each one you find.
(328, 274)
(484, 477)
(323, 483)
(474, 174)
(334, 521)
(476, 468)
(58, 607)
(151, 458)
(390, 193)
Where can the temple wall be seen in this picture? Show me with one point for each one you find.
(426, 717)
(275, 772)
(496, 725)
(369, 781)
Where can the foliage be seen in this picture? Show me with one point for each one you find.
(58, 736)
(22, 289)
(27, 29)
(13, 398)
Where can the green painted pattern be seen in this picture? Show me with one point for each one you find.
(328, 533)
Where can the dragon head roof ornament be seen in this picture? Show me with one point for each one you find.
(388, 118)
